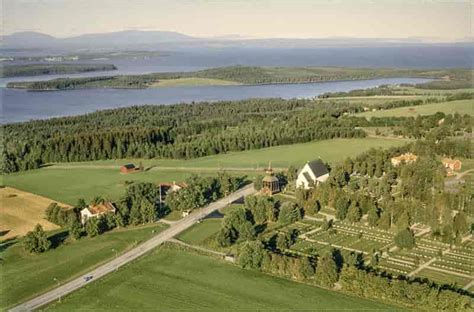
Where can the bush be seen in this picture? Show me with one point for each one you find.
(252, 255)
(36, 241)
(289, 213)
(405, 239)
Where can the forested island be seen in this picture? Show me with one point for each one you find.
(52, 69)
(246, 75)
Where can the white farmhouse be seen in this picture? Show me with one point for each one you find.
(313, 173)
(93, 211)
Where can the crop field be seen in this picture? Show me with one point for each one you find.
(167, 279)
(462, 107)
(68, 260)
(21, 211)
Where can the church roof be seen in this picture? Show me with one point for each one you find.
(317, 167)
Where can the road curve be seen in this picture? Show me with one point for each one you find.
(134, 253)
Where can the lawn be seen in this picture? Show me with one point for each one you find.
(199, 233)
(67, 182)
(203, 233)
(169, 279)
(443, 278)
(25, 275)
(21, 211)
(462, 107)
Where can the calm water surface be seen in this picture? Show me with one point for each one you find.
(20, 105)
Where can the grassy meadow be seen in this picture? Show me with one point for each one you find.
(169, 279)
(192, 82)
(67, 182)
(201, 232)
(462, 107)
(29, 275)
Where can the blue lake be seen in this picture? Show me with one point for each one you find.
(20, 105)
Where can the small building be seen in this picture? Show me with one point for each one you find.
(270, 183)
(171, 187)
(94, 211)
(313, 173)
(167, 188)
(186, 213)
(406, 158)
(452, 164)
(128, 168)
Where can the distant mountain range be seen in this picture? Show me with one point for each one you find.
(174, 40)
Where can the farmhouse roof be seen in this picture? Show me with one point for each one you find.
(450, 161)
(407, 157)
(101, 208)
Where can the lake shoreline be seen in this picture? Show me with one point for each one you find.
(217, 85)
(21, 106)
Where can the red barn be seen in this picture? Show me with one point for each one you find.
(128, 168)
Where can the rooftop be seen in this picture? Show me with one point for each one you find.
(101, 208)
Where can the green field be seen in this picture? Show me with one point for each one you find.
(67, 185)
(282, 156)
(462, 107)
(200, 233)
(24, 275)
(169, 279)
(203, 233)
(193, 82)
(443, 278)
(68, 182)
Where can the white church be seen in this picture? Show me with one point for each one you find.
(313, 173)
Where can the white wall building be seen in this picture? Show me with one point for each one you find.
(312, 174)
(93, 211)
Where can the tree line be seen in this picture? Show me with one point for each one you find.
(52, 69)
(175, 131)
(187, 131)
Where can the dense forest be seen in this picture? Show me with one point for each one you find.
(243, 74)
(184, 131)
(51, 69)
(175, 131)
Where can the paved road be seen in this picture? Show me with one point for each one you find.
(134, 253)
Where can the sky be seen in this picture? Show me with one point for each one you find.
(447, 20)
